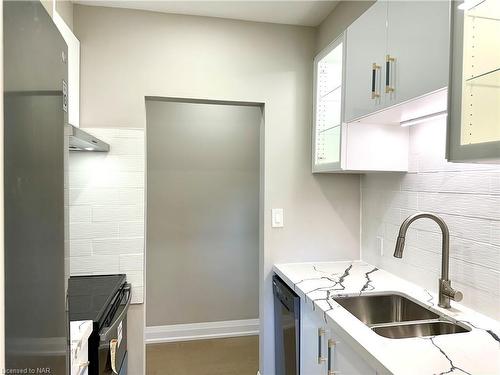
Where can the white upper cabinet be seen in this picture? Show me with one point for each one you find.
(417, 58)
(357, 147)
(391, 65)
(396, 51)
(366, 41)
(73, 62)
(474, 113)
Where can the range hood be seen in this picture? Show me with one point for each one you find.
(80, 140)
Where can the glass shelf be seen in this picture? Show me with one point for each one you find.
(328, 146)
(491, 78)
(330, 93)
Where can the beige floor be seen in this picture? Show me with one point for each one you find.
(231, 356)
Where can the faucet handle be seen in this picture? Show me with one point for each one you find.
(456, 295)
(448, 291)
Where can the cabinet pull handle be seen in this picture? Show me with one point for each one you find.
(388, 60)
(321, 333)
(375, 67)
(331, 346)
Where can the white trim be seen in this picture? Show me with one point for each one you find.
(201, 331)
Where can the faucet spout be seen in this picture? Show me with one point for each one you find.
(400, 245)
(446, 292)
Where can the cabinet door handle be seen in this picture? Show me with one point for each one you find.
(321, 334)
(331, 347)
(375, 67)
(388, 60)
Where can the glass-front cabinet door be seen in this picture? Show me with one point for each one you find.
(474, 92)
(328, 107)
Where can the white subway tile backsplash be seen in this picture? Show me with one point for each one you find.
(95, 263)
(78, 231)
(106, 208)
(131, 196)
(106, 179)
(480, 206)
(117, 213)
(402, 199)
(80, 214)
(135, 278)
(88, 163)
(466, 196)
(127, 146)
(80, 248)
(495, 233)
(131, 229)
(118, 246)
(495, 183)
(87, 196)
(474, 276)
(453, 182)
(482, 254)
(475, 229)
(131, 262)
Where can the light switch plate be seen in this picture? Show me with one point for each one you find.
(277, 218)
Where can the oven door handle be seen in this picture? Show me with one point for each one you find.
(104, 335)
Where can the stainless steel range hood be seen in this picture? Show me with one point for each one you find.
(80, 140)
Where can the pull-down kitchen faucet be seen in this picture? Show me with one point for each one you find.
(446, 292)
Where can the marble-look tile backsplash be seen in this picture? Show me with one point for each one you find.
(466, 196)
(106, 208)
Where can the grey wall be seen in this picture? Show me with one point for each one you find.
(338, 20)
(202, 212)
(128, 54)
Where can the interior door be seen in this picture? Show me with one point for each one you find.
(366, 42)
(417, 60)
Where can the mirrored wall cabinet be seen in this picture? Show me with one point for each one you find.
(474, 92)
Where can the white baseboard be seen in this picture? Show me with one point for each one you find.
(201, 331)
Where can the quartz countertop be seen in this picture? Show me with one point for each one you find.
(474, 352)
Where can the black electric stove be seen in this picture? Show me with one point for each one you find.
(104, 299)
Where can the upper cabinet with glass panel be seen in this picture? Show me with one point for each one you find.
(328, 74)
(474, 113)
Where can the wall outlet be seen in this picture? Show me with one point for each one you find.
(277, 218)
(380, 245)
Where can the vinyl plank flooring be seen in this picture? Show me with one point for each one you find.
(228, 356)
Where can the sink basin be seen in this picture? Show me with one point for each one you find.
(397, 317)
(402, 331)
(384, 309)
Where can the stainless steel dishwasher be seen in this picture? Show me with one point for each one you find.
(286, 328)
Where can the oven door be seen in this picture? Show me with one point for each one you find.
(115, 332)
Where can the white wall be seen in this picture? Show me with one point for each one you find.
(466, 196)
(106, 208)
(127, 55)
(345, 13)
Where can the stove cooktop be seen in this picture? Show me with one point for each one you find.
(91, 296)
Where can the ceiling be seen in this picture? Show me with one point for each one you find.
(304, 13)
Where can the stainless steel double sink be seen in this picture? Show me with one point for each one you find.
(397, 317)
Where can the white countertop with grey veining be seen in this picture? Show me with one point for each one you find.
(474, 352)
